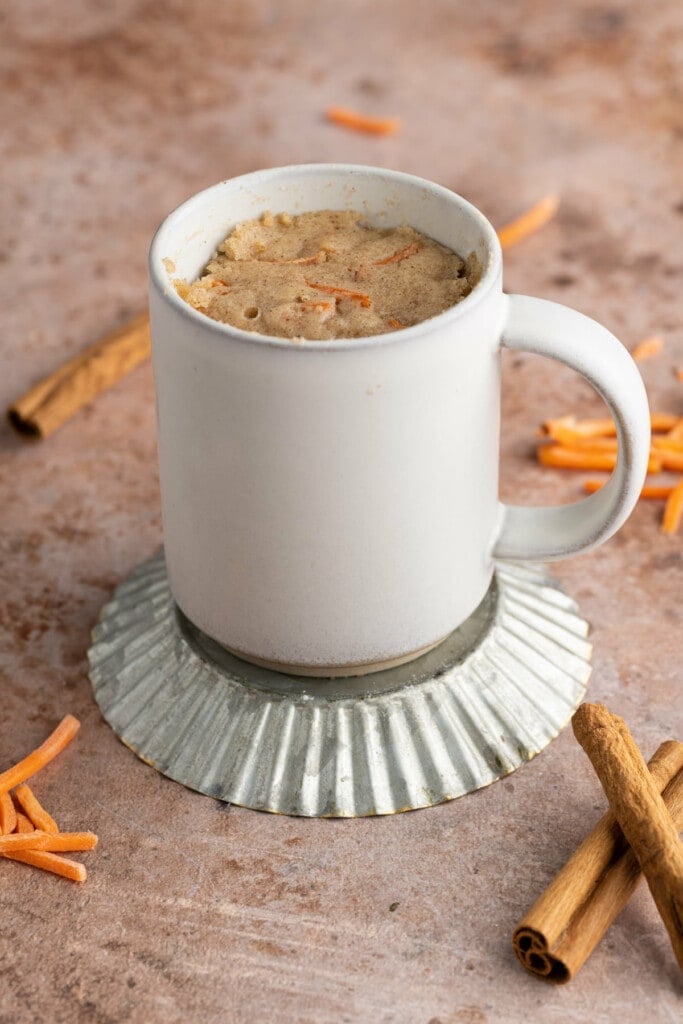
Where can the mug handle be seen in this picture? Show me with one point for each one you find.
(550, 329)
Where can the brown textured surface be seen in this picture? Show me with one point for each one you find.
(199, 912)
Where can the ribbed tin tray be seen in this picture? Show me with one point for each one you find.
(471, 711)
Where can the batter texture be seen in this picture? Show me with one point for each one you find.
(328, 274)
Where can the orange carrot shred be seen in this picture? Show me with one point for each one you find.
(650, 492)
(302, 260)
(342, 292)
(60, 842)
(676, 432)
(23, 823)
(660, 422)
(566, 425)
(322, 305)
(575, 458)
(647, 348)
(673, 510)
(34, 811)
(396, 257)
(569, 458)
(671, 460)
(395, 324)
(219, 284)
(51, 862)
(569, 438)
(352, 119)
(8, 814)
(42, 755)
(529, 222)
(664, 442)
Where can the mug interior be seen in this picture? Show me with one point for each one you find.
(190, 236)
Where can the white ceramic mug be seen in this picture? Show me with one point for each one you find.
(331, 507)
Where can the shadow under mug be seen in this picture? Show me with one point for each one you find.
(331, 507)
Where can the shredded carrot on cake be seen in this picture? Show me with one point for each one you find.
(347, 118)
(319, 257)
(396, 257)
(348, 293)
(321, 306)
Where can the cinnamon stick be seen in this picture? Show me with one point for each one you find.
(638, 807)
(558, 934)
(54, 400)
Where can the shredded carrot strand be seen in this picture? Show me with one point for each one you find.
(676, 432)
(650, 492)
(348, 118)
(395, 324)
(565, 426)
(42, 755)
(23, 823)
(662, 445)
(396, 257)
(219, 284)
(667, 443)
(8, 814)
(673, 510)
(647, 348)
(575, 458)
(23, 841)
(315, 305)
(660, 422)
(671, 460)
(61, 842)
(570, 438)
(342, 292)
(302, 260)
(51, 862)
(529, 222)
(35, 812)
(568, 458)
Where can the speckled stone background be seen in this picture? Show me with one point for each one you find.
(115, 112)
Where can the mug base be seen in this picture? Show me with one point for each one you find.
(334, 671)
(485, 701)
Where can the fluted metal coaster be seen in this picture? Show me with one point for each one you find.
(471, 711)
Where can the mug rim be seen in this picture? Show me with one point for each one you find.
(225, 330)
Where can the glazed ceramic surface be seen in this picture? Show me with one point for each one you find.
(333, 506)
